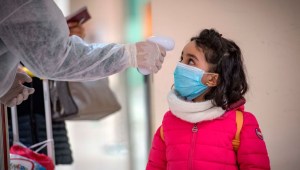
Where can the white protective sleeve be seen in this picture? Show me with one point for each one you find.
(36, 33)
(7, 74)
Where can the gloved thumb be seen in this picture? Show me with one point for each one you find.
(162, 50)
(30, 91)
(23, 77)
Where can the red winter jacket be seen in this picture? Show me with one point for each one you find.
(207, 145)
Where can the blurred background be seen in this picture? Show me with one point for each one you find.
(268, 32)
(121, 140)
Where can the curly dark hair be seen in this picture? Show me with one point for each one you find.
(225, 58)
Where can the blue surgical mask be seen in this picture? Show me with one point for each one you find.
(187, 81)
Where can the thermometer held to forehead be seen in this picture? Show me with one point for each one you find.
(167, 43)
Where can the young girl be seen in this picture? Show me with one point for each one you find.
(198, 131)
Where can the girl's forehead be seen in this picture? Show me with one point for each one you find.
(192, 47)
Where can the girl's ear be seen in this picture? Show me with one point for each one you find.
(212, 79)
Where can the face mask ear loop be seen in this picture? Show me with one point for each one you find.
(208, 73)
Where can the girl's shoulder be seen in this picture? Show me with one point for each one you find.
(168, 116)
(247, 116)
(249, 119)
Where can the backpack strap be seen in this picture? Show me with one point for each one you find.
(161, 133)
(239, 124)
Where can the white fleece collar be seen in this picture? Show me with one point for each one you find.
(193, 112)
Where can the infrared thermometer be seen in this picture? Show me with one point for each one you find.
(166, 42)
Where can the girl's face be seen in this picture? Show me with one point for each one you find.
(194, 56)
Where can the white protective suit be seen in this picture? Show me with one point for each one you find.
(36, 33)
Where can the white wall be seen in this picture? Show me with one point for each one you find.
(107, 19)
(268, 32)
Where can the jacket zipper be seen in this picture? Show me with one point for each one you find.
(194, 131)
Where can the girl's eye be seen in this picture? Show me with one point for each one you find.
(191, 62)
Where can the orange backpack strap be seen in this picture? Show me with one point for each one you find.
(161, 133)
(239, 124)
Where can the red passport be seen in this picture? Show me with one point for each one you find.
(80, 16)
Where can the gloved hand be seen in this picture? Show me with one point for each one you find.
(150, 56)
(18, 92)
(76, 29)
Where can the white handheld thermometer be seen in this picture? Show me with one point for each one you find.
(166, 42)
